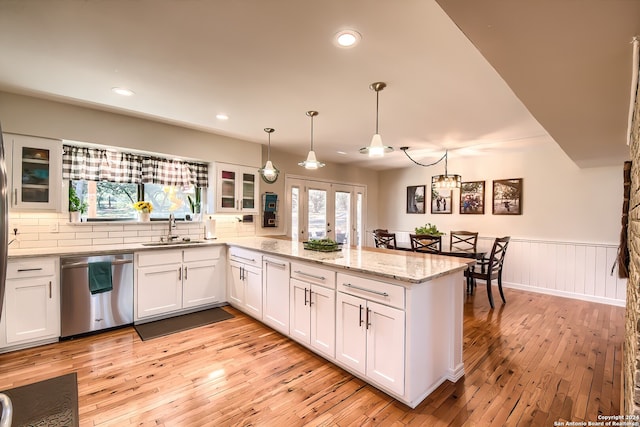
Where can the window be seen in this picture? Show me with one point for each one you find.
(114, 201)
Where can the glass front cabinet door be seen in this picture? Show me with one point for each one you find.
(36, 172)
(237, 189)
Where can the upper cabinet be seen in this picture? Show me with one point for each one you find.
(35, 171)
(236, 189)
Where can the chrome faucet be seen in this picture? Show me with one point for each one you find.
(172, 225)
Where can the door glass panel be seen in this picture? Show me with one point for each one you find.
(228, 189)
(343, 217)
(358, 219)
(317, 219)
(35, 175)
(248, 186)
(295, 210)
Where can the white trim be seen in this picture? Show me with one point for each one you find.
(557, 293)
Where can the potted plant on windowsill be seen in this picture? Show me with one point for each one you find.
(76, 206)
(144, 210)
(195, 205)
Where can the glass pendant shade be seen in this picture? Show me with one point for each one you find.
(268, 172)
(311, 162)
(446, 181)
(376, 148)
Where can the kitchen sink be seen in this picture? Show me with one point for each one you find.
(174, 243)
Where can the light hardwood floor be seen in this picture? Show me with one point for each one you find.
(536, 360)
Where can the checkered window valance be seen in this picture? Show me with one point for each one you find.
(97, 164)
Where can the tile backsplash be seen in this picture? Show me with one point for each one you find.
(38, 230)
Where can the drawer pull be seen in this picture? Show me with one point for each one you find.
(310, 275)
(242, 257)
(349, 285)
(278, 264)
(22, 270)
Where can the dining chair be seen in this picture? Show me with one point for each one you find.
(426, 243)
(463, 241)
(384, 239)
(491, 268)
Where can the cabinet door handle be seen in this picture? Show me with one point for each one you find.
(179, 273)
(360, 315)
(310, 298)
(310, 275)
(241, 273)
(15, 196)
(368, 323)
(305, 296)
(349, 285)
(50, 292)
(185, 272)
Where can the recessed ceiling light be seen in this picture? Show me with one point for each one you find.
(341, 152)
(122, 91)
(347, 38)
(222, 116)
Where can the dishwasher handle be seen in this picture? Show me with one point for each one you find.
(86, 264)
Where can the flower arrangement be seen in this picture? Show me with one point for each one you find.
(143, 206)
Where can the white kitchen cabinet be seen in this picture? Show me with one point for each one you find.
(275, 291)
(35, 172)
(312, 307)
(236, 189)
(32, 301)
(370, 332)
(245, 281)
(177, 279)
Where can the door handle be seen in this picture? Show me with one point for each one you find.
(305, 296)
(310, 298)
(185, 272)
(360, 315)
(50, 286)
(179, 273)
(367, 321)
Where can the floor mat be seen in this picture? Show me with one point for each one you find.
(169, 326)
(52, 402)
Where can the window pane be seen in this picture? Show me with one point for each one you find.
(294, 214)
(168, 199)
(343, 216)
(107, 200)
(317, 205)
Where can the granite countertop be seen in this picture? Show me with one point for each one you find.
(403, 266)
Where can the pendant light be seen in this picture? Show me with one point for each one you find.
(376, 149)
(311, 162)
(439, 181)
(268, 172)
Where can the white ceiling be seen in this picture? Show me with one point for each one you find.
(265, 63)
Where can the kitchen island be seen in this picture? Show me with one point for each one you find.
(392, 318)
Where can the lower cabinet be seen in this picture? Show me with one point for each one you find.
(275, 293)
(245, 281)
(178, 279)
(313, 313)
(370, 336)
(32, 301)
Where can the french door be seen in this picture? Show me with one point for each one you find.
(320, 209)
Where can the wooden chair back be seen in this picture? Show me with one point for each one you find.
(385, 240)
(463, 241)
(426, 243)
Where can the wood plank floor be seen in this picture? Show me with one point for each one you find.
(536, 360)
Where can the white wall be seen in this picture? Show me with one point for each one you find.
(559, 200)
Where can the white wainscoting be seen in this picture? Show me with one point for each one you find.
(567, 269)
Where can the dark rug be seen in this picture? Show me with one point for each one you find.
(52, 402)
(169, 326)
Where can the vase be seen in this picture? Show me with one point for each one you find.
(144, 216)
(74, 216)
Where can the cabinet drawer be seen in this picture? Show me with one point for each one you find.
(163, 257)
(245, 256)
(312, 274)
(202, 254)
(384, 293)
(34, 267)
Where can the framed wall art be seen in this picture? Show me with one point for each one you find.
(441, 202)
(472, 197)
(507, 197)
(415, 199)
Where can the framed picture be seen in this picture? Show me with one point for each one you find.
(415, 199)
(472, 197)
(507, 197)
(441, 202)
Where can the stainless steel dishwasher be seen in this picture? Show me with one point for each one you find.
(82, 312)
